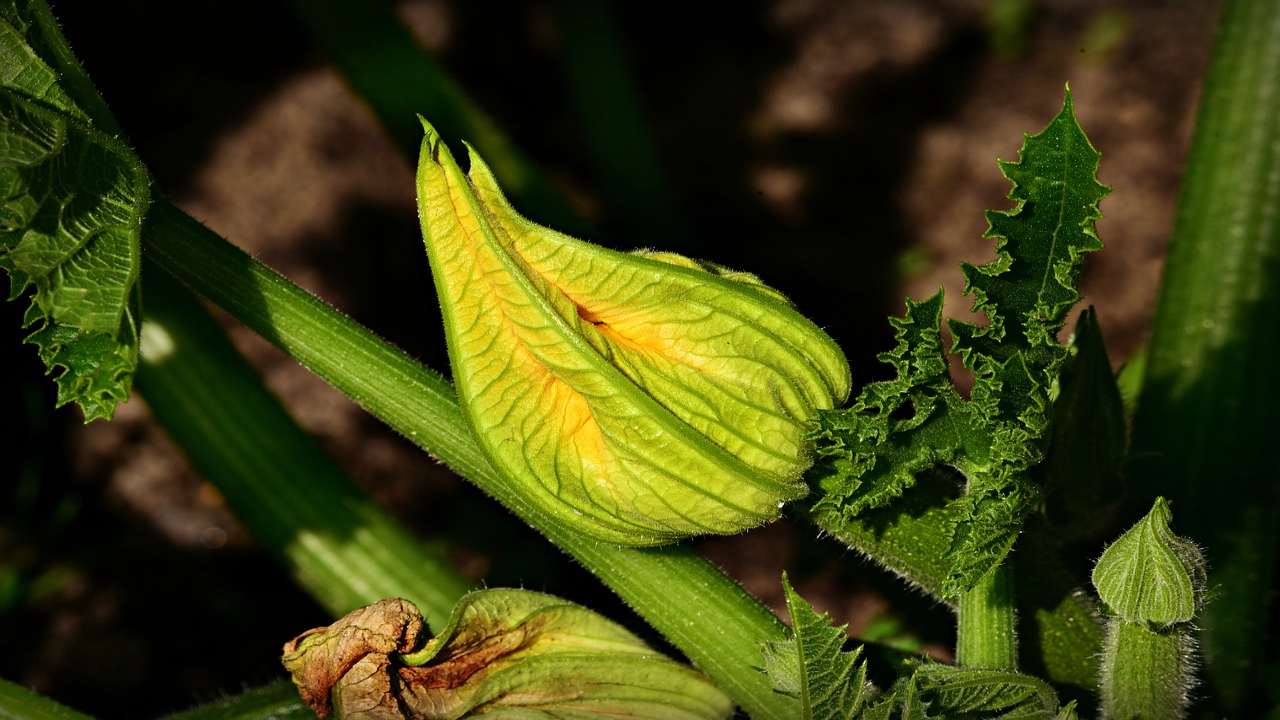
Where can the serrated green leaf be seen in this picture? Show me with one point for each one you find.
(1151, 575)
(947, 692)
(898, 428)
(953, 692)
(71, 209)
(636, 397)
(1028, 289)
(813, 666)
(873, 453)
(72, 200)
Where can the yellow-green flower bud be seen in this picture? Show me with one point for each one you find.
(503, 654)
(638, 397)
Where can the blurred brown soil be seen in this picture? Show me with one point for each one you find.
(860, 130)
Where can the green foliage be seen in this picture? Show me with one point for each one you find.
(18, 703)
(72, 200)
(1088, 441)
(813, 666)
(1151, 575)
(946, 692)
(1205, 427)
(1152, 583)
(830, 682)
(877, 450)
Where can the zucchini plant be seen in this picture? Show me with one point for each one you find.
(622, 403)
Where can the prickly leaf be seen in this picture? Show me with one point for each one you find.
(72, 199)
(812, 665)
(874, 453)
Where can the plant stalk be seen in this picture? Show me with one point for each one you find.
(985, 635)
(691, 602)
(1146, 674)
(295, 500)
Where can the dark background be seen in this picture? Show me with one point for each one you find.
(843, 151)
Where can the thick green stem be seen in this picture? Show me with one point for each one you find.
(19, 703)
(985, 635)
(1205, 425)
(293, 497)
(690, 601)
(1146, 674)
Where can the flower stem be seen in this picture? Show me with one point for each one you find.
(694, 604)
(1146, 673)
(985, 636)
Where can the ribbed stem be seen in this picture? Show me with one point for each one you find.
(1205, 425)
(295, 500)
(985, 635)
(1146, 675)
(690, 601)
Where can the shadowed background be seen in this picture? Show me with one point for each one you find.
(842, 151)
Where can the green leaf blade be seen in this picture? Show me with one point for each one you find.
(1150, 575)
(871, 457)
(71, 211)
(1040, 244)
(72, 201)
(812, 665)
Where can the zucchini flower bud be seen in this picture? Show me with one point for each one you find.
(503, 653)
(638, 397)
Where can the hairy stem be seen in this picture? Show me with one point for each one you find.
(985, 636)
(277, 701)
(19, 703)
(1146, 674)
(1204, 430)
(295, 500)
(695, 605)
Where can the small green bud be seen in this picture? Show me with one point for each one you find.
(1151, 575)
(1152, 584)
(639, 397)
(503, 654)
